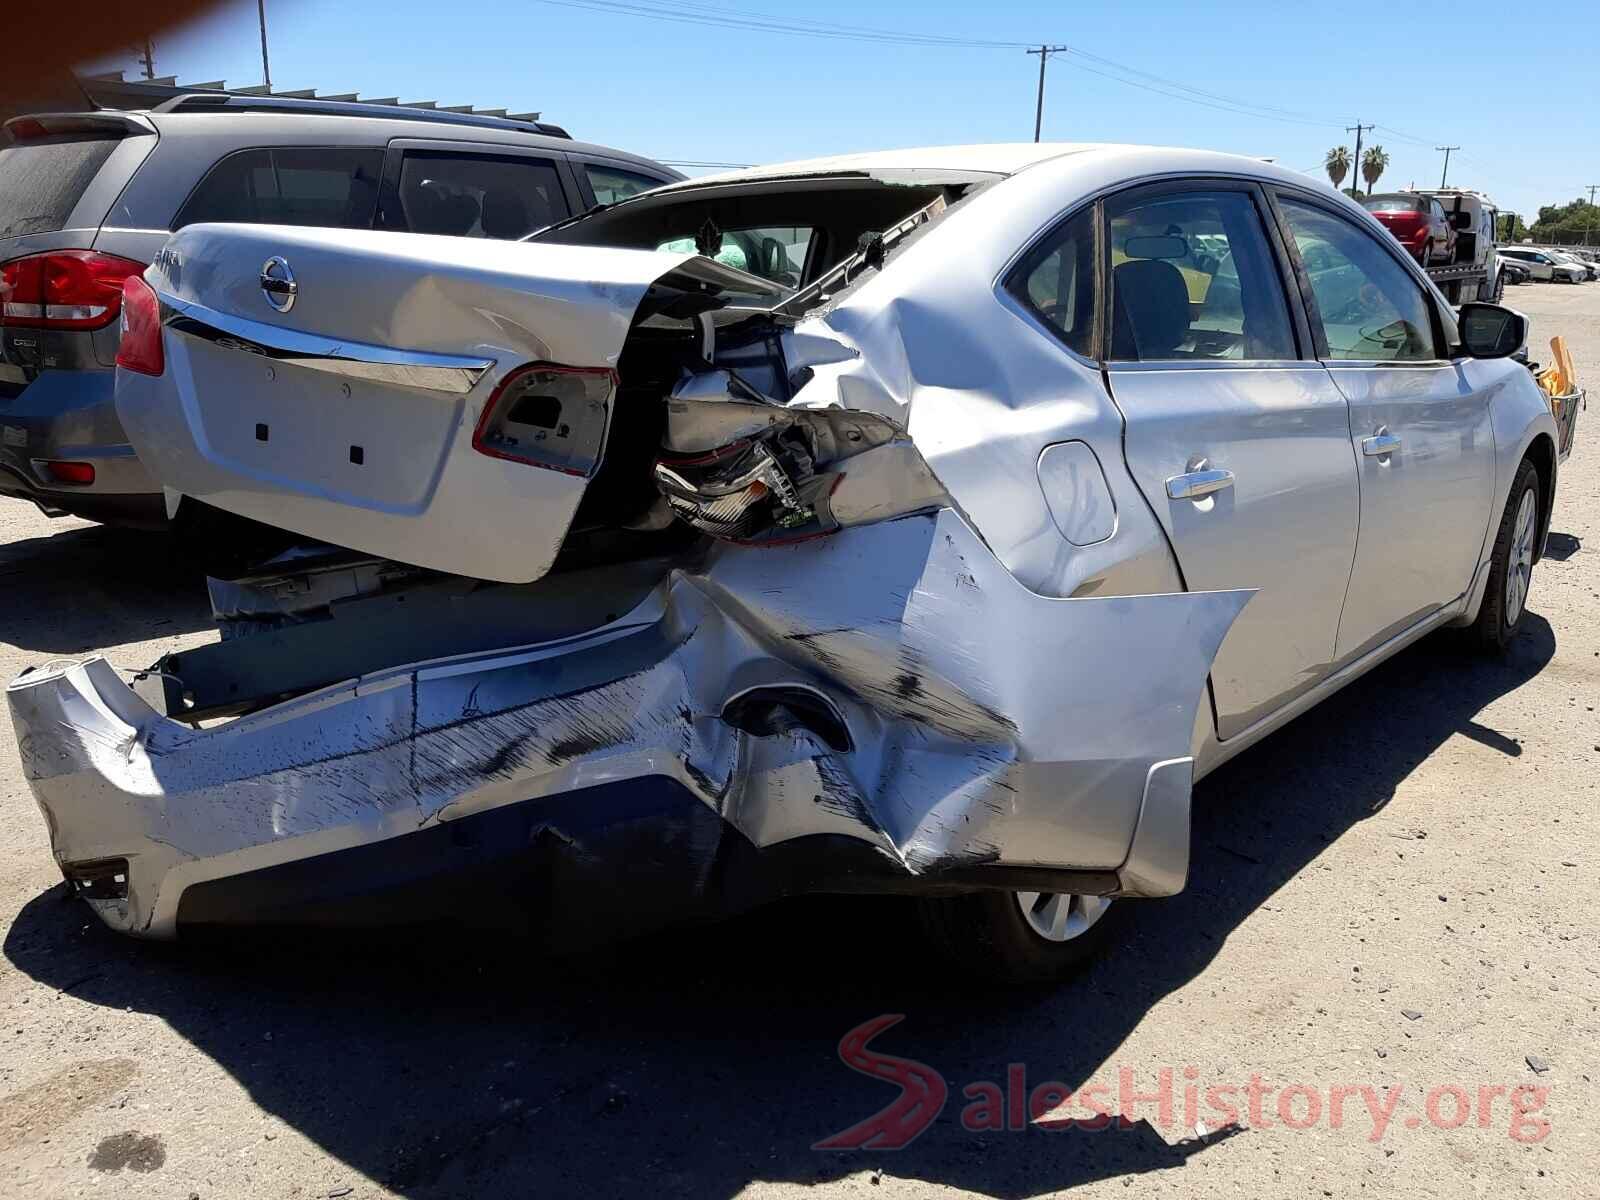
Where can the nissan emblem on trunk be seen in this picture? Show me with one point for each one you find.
(277, 284)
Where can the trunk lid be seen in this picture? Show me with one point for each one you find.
(334, 383)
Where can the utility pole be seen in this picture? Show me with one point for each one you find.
(1044, 52)
(266, 71)
(149, 60)
(1445, 173)
(1355, 166)
(1588, 225)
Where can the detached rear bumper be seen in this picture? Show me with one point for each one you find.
(882, 710)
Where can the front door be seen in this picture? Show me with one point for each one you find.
(1419, 426)
(1237, 437)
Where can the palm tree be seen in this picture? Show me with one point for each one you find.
(1373, 164)
(1337, 165)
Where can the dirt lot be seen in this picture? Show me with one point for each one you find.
(1426, 843)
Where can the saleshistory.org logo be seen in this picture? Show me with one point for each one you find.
(1173, 1100)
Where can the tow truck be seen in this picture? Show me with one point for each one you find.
(1473, 272)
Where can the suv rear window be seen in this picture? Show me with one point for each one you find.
(336, 187)
(42, 180)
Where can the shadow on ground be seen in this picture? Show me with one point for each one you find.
(92, 587)
(699, 1062)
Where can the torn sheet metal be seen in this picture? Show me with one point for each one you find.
(956, 722)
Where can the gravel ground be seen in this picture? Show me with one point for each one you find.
(1397, 890)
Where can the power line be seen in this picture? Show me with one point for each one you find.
(705, 15)
(708, 15)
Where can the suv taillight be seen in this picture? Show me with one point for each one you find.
(140, 349)
(549, 416)
(63, 289)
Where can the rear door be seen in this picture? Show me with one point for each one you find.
(474, 189)
(1235, 434)
(1419, 424)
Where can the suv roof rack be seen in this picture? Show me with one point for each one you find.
(211, 101)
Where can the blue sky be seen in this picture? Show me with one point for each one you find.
(1529, 133)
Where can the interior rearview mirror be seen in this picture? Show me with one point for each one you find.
(1490, 331)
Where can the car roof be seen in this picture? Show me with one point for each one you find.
(997, 159)
(257, 127)
(994, 159)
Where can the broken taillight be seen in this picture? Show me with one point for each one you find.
(140, 349)
(63, 289)
(761, 488)
(549, 416)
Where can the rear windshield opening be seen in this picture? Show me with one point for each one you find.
(789, 232)
(41, 180)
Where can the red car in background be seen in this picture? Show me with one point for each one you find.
(1419, 223)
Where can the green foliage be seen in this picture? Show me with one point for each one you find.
(1567, 223)
(1374, 162)
(1337, 165)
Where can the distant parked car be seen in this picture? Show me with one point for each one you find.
(87, 199)
(1418, 222)
(1544, 265)
(1514, 272)
(1590, 269)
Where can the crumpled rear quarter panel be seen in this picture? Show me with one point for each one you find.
(988, 726)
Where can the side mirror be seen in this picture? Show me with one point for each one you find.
(1490, 331)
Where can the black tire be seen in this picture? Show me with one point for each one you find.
(1499, 288)
(1499, 617)
(985, 935)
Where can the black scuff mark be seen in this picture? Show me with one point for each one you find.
(508, 755)
(577, 744)
(841, 794)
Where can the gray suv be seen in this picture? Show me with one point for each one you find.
(87, 199)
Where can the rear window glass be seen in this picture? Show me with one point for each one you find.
(41, 181)
(469, 196)
(611, 185)
(1393, 204)
(289, 186)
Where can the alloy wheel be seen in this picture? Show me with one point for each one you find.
(1519, 567)
(1061, 916)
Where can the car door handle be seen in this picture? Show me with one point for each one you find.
(1382, 443)
(1196, 484)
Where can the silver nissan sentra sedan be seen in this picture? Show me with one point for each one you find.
(921, 522)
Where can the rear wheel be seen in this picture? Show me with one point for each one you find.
(1511, 568)
(1018, 937)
